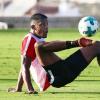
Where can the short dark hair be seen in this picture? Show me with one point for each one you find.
(38, 16)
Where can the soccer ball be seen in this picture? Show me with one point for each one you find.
(88, 26)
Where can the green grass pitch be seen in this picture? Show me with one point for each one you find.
(85, 87)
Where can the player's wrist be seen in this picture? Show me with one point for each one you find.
(72, 44)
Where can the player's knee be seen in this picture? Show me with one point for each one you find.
(38, 46)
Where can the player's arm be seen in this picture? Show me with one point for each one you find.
(28, 53)
(26, 74)
(24, 77)
(55, 46)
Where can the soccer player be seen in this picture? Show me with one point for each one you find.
(36, 52)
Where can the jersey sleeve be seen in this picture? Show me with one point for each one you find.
(28, 47)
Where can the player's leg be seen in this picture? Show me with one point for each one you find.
(76, 62)
(47, 59)
(79, 60)
(44, 57)
(60, 69)
(92, 51)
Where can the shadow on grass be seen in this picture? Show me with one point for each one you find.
(8, 80)
(76, 92)
(62, 92)
(74, 80)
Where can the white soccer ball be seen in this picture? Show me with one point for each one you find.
(88, 26)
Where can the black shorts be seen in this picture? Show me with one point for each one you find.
(65, 71)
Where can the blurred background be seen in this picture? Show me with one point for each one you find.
(61, 13)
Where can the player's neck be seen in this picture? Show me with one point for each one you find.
(37, 35)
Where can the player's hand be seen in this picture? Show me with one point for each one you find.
(13, 90)
(83, 42)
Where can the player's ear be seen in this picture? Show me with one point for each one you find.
(33, 27)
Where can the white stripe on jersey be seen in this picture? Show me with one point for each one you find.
(27, 44)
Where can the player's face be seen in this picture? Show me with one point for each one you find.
(41, 28)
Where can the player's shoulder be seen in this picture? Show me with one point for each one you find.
(29, 36)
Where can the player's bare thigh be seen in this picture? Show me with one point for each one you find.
(92, 51)
(44, 57)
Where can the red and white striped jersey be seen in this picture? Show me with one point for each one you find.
(28, 45)
(37, 71)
